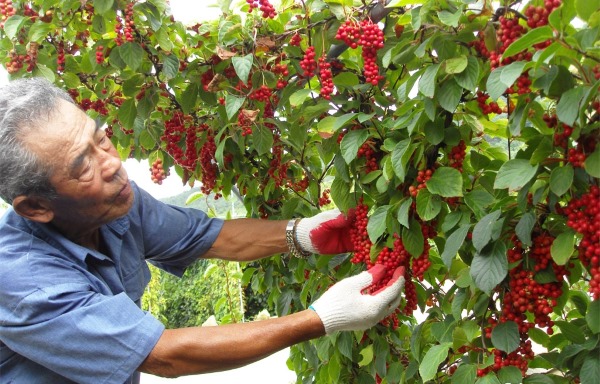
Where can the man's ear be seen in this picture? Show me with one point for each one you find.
(33, 208)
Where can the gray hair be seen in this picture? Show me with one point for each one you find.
(25, 105)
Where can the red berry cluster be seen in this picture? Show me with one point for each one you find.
(299, 186)
(583, 215)
(6, 10)
(175, 130)
(324, 199)
(366, 150)
(60, 56)
(392, 258)
(527, 299)
(208, 164)
(277, 169)
(457, 155)
(486, 108)
(268, 11)
(422, 178)
(537, 16)
(262, 94)
(295, 40)
(245, 122)
(16, 62)
(283, 72)
(100, 54)
(206, 78)
(576, 157)
(157, 172)
(119, 31)
(129, 23)
(359, 236)
(368, 35)
(326, 78)
(308, 62)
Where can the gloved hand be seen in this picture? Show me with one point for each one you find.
(344, 307)
(326, 233)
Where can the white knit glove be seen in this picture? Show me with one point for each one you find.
(326, 233)
(344, 307)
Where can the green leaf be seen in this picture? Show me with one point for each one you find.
(478, 200)
(39, 30)
(162, 36)
(453, 244)
(412, 238)
(585, 8)
(243, 66)
(47, 73)
(525, 227)
(567, 108)
(331, 124)
(170, 65)
(469, 77)
(432, 359)
(534, 36)
(132, 54)
(188, 98)
(344, 344)
(593, 316)
(351, 143)
(483, 230)
(428, 205)
(489, 268)
(428, 80)
(510, 374)
(465, 373)
(377, 222)
(398, 158)
(233, 104)
(127, 113)
(561, 179)
(12, 26)
(449, 95)
(446, 182)
(102, 6)
(298, 97)
(590, 370)
(571, 331)
(563, 246)
(505, 336)
(450, 19)
(456, 64)
(592, 164)
(514, 174)
(367, 355)
(262, 137)
(403, 212)
(502, 78)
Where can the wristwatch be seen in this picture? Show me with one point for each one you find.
(290, 238)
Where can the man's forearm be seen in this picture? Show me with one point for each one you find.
(248, 240)
(197, 350)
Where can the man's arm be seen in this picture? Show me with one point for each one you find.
(342, 307)
(251, 239)
(248, 240)
(197, 350)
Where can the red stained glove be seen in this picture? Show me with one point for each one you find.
(345, 308)
(326, 233)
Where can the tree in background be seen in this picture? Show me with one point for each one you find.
(464, 134)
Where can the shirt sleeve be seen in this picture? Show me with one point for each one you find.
(173, 237)
(84, 336)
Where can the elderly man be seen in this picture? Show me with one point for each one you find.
(73, 253)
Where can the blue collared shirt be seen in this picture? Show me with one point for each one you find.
(71, 314)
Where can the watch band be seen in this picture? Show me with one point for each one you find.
(290, 238)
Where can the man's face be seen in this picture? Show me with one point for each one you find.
(92, 185)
